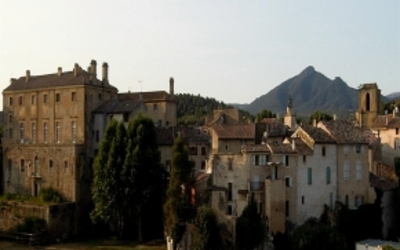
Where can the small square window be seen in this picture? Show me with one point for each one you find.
(20, 100)
(304, 158)
(58, 98)
(397, 131)
(73, 96)
(44, 98)
(10, 101)
(100, 96)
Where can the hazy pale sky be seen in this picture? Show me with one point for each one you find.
(234, 51)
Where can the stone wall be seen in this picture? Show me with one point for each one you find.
(59, 218)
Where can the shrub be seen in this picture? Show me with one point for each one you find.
(32, 224)
(50, 195)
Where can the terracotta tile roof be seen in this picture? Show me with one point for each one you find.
(381, 183)
(301, 147)
(277, 148)
(255, 148)
(237, 131)
(392, 122)
(318, 135)
(105, 106)
(146, 96)
(371, 137)
(343, 131)
(385, 171)
(53, 80)
(124, 106)
(166, 135)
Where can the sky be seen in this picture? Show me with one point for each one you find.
(234, 51)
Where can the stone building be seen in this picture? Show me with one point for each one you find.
(368, 104)
(47, 132)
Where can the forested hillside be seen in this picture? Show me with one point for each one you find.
(193, 109)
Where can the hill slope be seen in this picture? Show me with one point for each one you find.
(310, 91)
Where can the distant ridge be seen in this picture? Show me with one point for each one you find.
(310, 91)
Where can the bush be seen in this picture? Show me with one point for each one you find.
(50, 195)
(32, 224)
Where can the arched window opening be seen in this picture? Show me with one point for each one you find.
(367, 102)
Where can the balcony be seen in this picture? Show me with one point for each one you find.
(257, 186)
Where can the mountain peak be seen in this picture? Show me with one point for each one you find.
(307, 71)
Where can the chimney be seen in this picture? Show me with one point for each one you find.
(59, 71)
(334, 117)
(171, 86)
(93, 68)
(293, 144)
(76, 69)
(28, 75)
(314, 123)
(12, 80)
(105, 73)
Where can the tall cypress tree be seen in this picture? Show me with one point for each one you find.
(181, 175)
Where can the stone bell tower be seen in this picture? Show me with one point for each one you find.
(290, 118)
(369, 98)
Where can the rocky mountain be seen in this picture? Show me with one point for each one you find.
(310, 91)
(394, 95)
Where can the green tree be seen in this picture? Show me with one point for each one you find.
(175, 207)
(107, 191)
(206, 232)
(143, 178)
(320, 116)
(265, 113)
(250, 227)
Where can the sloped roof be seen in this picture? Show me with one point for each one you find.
(146, 96)
(301, 147)
(392, 122)
(343, 131)
(236, 131)
(54, 80)
(371, 137)
(382, 183)
(256, 148)
(285, 148)
(317, 134)
(166, 135)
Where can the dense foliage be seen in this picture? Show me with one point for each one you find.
(128, 178)
(206, 233)
(265, 113)
(250, 227)
(32, 224)
(176, 207)
(50, 195)
(193, 110)
(320, 116)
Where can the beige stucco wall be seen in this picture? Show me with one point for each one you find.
(389, 152)
(352, 187)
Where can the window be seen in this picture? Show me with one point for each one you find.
(44, 98)
(11, 133)
(230, 191)
(302, 199)
(203, 165)
(33, 100)
(346, 200)
(358, 148)
(73, 96)
(58, 97)
(397, 131)
(309, 176)
(230, 164)
(263, 160)
(99, 96)
(288, 181)
(65, 166)
(22, 165)
(193, 150)
(358, 171)
(50, 164)
(346, 172)
(229, 210)
(226, 147)
(331, 200)
(20, 100)
(285, 160)
(73, 131)
(10, 101)
(33, 132)
(36, 170)
(10, 119)
(304, 158)
(97, 136)
(256, 160)
(346, 149)
(9, 165)
(203, 151)
(21, 132)
(58, 131)
(274, 173)
(328, 175)
(323, 151)
(287, 208)
(155, 107)
(45, 132)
